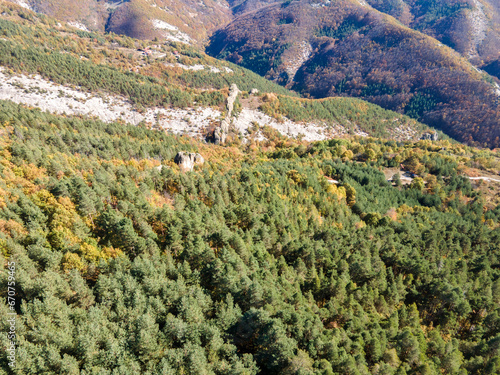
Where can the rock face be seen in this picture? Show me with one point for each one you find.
(430, 136)
(220, 133)
(35, 91)
(254, 92)
(187, 160)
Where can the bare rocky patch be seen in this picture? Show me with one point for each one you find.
(34, 91)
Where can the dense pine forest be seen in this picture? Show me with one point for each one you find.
(254, 262)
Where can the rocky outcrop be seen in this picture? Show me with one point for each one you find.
(478, 24)
(430, 136)
(187, 160)
(295, 57)
(220, 133)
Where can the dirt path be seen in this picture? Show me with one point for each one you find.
(390, 172)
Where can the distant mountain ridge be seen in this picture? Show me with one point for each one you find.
(471, 27)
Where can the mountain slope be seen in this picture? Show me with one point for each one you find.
(471, 27)
(179, 20)
(163, 80)
(347, 49)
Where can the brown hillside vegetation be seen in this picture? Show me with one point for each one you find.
(468, 26)
(91, 13)
(357, 51)
(197, 19)
(132, 19)
(471, 27)
(172, 75)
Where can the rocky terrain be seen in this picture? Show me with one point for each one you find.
(249, 123)
(48, 96)
(478, 24)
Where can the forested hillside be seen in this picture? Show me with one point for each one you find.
(174, 75)
(471, 27)
(343, 48)
(252, 263)
(34, 43)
